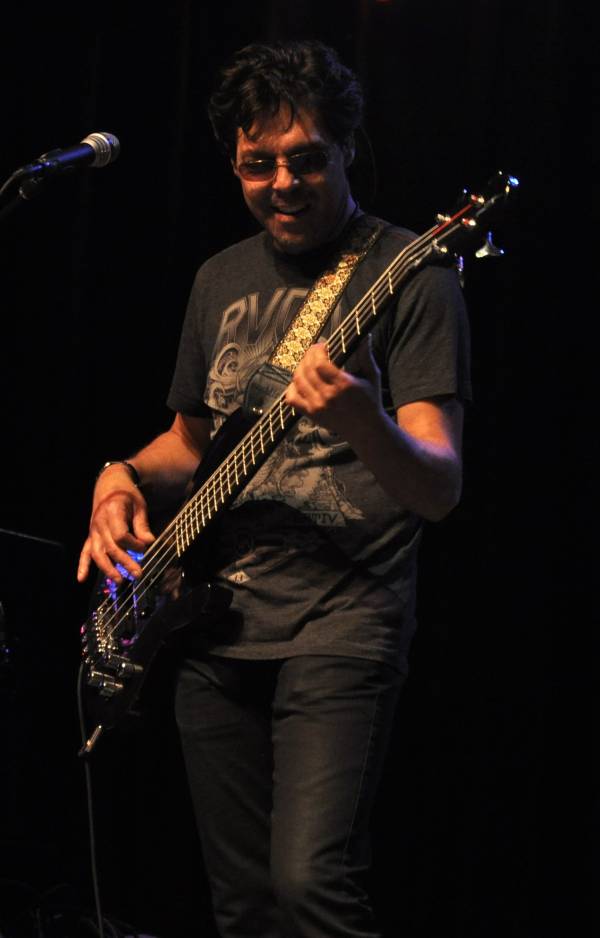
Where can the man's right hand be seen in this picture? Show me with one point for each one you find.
(120, 515)
(119, 523)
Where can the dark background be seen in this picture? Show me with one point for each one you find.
(95, 277)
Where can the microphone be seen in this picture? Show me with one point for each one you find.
(96, 150)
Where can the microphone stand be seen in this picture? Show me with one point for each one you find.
(29, 188)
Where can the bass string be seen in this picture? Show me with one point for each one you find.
(370, 305)
(383, 288)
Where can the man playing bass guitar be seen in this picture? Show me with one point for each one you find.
(285, 706)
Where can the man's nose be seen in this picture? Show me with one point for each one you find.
(284, 178)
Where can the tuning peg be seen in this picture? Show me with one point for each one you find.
(488, 248)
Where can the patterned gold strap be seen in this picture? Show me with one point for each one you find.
(325, 294)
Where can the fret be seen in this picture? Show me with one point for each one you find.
(390, 284)
(281, 415)
(244, 469)
(237, 480)
(271, 426)
(214, 495)
(222, 496)
(228, 477)
(262, 442)
(252, 456)
(343, 338)
(357, 322)
(373, 304)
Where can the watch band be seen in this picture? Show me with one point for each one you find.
(135, 476)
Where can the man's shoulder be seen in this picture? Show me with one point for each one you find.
(392, 234)
(249, 250)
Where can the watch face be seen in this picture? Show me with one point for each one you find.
(123, 462)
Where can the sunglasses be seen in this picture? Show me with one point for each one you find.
(298, 164)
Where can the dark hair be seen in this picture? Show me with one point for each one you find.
(301, 73)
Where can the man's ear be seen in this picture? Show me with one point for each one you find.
(348, 150)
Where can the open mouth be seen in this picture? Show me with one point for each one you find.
(290, 212)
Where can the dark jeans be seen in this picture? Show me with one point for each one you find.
(284, 758)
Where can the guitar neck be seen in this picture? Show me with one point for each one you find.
(361, 319)
(225, 483)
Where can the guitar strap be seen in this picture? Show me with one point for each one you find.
(274, 375)
(325, 293)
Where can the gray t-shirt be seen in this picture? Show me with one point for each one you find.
(318, 558)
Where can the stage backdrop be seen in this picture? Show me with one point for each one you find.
(95, 274)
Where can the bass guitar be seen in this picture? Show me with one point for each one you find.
(131, 622)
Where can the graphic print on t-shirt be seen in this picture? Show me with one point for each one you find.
(245, 340)
(299, 472)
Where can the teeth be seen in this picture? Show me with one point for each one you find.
(289, 211)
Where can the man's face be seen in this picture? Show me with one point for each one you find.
(299, 210)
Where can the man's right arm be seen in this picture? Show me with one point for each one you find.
(119, 520)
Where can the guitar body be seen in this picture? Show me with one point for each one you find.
(129, 625)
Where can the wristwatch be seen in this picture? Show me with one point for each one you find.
(135, 476)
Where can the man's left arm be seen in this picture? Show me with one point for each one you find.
(416, 459)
